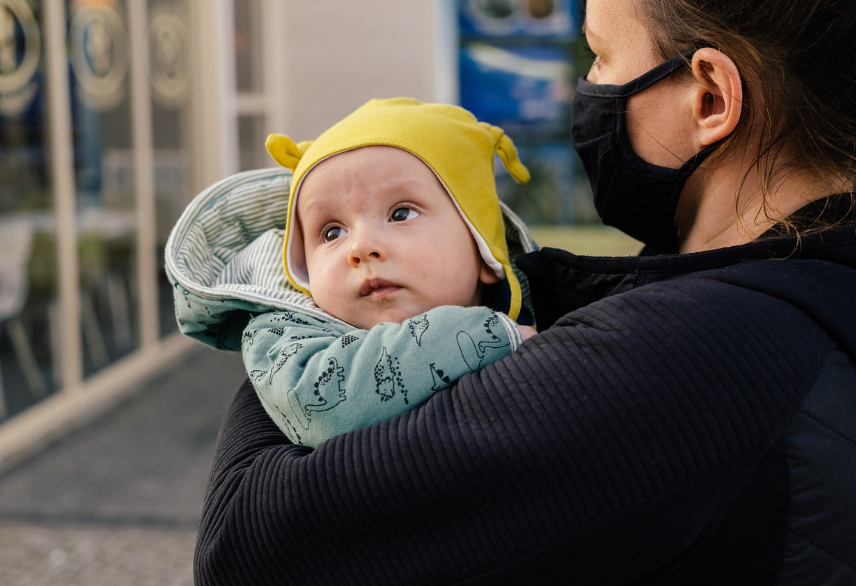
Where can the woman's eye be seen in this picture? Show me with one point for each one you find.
(402, 214)
(332, 233)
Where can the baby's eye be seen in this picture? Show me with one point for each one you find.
(402, 214)
(332, 233)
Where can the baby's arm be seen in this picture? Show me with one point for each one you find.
(318, 380)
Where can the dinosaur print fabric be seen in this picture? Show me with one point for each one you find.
(318, 379)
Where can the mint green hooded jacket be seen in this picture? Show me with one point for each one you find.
(316, 375)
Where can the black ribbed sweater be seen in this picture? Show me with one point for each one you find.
(641, 438)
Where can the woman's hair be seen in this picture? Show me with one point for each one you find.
(798, 62)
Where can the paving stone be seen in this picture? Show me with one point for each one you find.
(95, 555)
(119, 501)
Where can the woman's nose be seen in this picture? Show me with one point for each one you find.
(365, 247)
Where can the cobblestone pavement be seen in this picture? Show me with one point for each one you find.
(118, 502)
(77, 555)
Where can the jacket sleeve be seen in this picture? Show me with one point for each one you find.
(318, 380)
(604, 450)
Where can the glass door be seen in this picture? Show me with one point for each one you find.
(28, 263)
(99, 155)
(170, 74)
(105, 183)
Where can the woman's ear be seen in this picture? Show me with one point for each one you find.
(718, 97)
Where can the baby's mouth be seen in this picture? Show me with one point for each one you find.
(378, 288)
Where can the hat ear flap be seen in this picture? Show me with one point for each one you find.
(507, 152)
(285, 151)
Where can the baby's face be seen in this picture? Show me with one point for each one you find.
(383, 240)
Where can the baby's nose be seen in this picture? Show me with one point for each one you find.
(364, 248)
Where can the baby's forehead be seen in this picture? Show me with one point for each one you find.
(366, 160)
(373, 170)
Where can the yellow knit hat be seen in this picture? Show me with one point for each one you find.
(457, 147)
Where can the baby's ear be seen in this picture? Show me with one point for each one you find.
(285, 151)
(487, 276)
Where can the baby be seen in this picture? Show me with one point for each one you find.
(395, 228)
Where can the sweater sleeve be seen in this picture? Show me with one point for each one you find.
(603, 450)
(318, 380)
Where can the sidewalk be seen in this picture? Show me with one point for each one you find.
(118, 502)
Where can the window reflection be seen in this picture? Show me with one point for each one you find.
(27, 258)
(171, 67)
(98, 51)
(104, 169)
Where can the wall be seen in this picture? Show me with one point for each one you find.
(337, 54)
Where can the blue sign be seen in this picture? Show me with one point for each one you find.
(525, 88)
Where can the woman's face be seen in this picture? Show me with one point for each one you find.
(656, 117)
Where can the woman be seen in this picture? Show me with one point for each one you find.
(688, 416)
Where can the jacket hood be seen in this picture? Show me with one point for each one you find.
(224, 258)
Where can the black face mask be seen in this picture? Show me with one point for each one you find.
(630, 194)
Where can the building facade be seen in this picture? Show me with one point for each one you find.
(113, 114)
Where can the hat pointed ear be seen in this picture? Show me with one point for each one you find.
(507, 152)
(285, 151)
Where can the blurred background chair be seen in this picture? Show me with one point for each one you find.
(16, 240)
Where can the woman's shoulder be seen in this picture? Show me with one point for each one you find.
(708, 316)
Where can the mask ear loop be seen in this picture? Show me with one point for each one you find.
(634, 86)
(507, 152)
(285, 151)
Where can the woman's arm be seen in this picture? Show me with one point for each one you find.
(606, 448)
